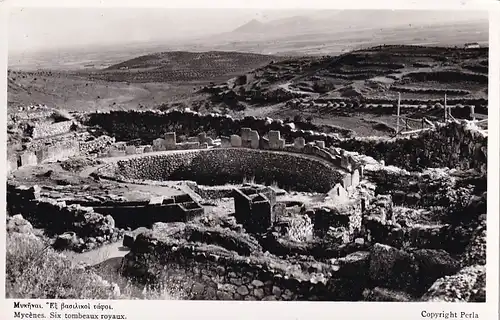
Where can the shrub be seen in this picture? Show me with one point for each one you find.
(35, 271)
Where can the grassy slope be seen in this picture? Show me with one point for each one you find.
(75, 93)
(150, 81)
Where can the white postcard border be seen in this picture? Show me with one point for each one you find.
(297, 310)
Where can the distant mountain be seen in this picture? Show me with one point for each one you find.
(285, 25)
(341, 20)
(251, 27)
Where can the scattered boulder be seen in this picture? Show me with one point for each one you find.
(355, 264)
(18, 224)
(475, 253)
(66, 241)
(468, 285)
(392, 267)
(128, 239)
(432, 265)
(386, 295)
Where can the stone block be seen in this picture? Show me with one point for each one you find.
(245, 134)
(354, 265)
(361, 170)
(320, 143)
(225, 142)
(281, 144)
(352, 162)
(130, 150)
(202, 137)
(346, 181)
(155, 200)
(246, 143)
(345, 163)
(28, 159)
(264, 143)
(335, 151)
(128, 240)
(159, 144)
(254, 212)
(355, 178)
(11, 165)
(434, 264)
(299, 143)
(274, 139)
(254, 139)
(338, 193)
(308, 148)
(121, 146)
(235, 141)
(116, 153)
(170, 140)
(392, 267)
(386, 295)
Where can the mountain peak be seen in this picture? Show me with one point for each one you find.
(251, 26)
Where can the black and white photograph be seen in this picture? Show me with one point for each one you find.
(247, 155)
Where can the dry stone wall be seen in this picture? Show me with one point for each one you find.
(225, 165)
(135, 214)
(96, 145)
(53, 129)
(429, 188)
(385, 106)
(75, 227)
(51, 153)
(454, 145)
(61, 151)
(211, 272)
(150, 125)
(453, 233)
(351, 167)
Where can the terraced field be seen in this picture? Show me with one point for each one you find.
(417, 72)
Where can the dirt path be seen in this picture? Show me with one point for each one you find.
(99, 255)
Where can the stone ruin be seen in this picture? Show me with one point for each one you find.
(324, 218)
(254, 208)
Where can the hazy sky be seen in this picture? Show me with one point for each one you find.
(33, 29)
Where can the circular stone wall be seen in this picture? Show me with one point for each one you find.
(229, 165)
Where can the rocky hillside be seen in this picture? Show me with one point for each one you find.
(374, 75)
